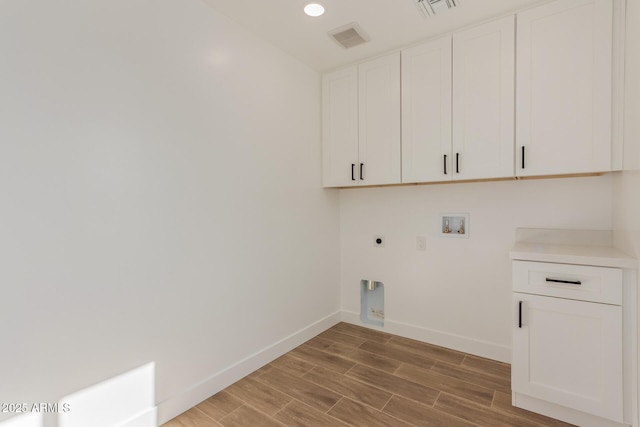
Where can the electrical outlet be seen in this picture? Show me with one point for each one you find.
(421, 243)
(378, 241)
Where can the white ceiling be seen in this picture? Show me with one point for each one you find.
(389, 23)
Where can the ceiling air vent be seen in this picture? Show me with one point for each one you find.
(349, 35)
(435, 7)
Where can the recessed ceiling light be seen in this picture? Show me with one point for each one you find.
(314, 9)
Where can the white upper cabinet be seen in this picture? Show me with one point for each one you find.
(458, 106)
(340, 127)
(483, 100)
(379, 121)
(564, 88)
(361, 124)
(426, 112)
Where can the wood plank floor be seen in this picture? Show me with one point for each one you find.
(353, 376)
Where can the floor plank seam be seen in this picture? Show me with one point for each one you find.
(334, 405)
(399, 419)
(387, 402)
(203, 413)
(272, 417)
(219, 421)
(433, 405)
(470, 381)
(366, 382)
(282, 409)
(350, 369)
(303, 360)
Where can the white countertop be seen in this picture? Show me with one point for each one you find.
(582, 247)
(601, 256)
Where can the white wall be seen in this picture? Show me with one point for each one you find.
(457, 292)
(160, 195)
(627, 183)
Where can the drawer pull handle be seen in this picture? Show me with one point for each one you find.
(519, 314)
(569, 282)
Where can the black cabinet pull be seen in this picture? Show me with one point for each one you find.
(361, 175)
(445, 164)
(353, 171)
(519, 314)
(568, 282)
(523, 157)
(457, 162)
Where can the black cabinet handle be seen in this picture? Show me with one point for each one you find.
(353, 171)
(457, 162)
(568, 282)
(519, 314)
(361, 175)
(445, 164)
(523, 157)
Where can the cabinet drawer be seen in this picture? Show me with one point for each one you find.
(578, 282)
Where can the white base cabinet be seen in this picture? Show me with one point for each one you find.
(569, 352)
(573, 334)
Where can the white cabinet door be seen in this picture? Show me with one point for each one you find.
(426, 112)
(563, 100)
(483, 100)
(569, 353)
(379, 120)
(340, 127)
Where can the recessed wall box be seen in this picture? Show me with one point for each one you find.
(372, 302)
(454, 225)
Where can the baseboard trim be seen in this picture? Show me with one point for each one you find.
(469, 345)
(184, 401)
(146, 418)
(561, 413)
